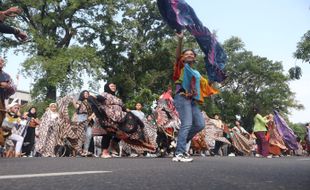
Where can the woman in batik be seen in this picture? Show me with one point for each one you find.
(113, 117)
(240, 140)
(84, 113)
(47, 132)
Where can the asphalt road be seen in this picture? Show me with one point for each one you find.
(292, 173)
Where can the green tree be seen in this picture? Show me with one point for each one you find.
(54, 62)
(253, 81)
(137, 51)
(302, 53)
(299, 129)
(303, 48)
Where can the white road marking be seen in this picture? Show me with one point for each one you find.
(304, 159)
(51, 174)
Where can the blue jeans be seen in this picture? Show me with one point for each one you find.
(192, 121)
(88, 136)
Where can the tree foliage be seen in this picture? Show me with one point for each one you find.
(299, 129)
(53, 61)
(137, 51)
(253, 81)
(302, 53)
(303, 48)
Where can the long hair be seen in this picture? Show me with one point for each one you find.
(82, 97)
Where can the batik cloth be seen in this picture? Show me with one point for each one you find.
(179, 15)
(125, 125)
(285, 132)
(48, 134)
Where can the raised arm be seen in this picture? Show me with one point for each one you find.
(11, 12)
(179, 45)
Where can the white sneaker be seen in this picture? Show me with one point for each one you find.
(231, 154)
(258, 155)
(149, 155)
(269, 156)
(133, 155)
(181, 158)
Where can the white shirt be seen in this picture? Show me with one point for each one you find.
(138, 113)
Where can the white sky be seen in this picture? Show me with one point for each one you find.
(269, 28)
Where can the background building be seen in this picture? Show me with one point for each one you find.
(22, 97)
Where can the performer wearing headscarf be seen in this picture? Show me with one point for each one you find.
(113, 117)
(33, 122)
(48, 132)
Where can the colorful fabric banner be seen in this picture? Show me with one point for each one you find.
(179, 15)
(285, 131)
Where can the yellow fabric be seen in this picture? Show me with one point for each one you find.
(206, 89)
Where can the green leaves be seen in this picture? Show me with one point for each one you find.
(253, 81)
(295, 72)
(303, 48)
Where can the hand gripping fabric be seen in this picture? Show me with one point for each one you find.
(179, 15)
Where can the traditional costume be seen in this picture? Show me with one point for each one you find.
(48, 134)
(109, 110)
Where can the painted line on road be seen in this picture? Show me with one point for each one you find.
(51, 174)
(304, 159)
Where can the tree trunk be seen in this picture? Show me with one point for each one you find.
(51, 93)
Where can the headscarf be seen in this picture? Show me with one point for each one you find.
(34, 115)
(107, 89)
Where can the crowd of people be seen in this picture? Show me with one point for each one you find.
(102, 126)
(86, 135)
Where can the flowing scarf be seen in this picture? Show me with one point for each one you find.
(179, 15)
(285, 131)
